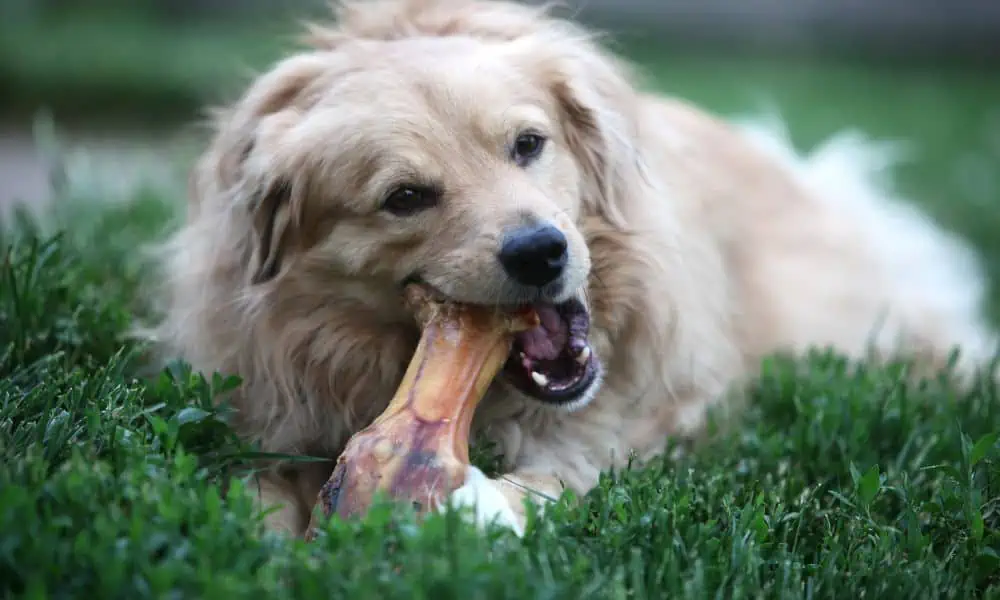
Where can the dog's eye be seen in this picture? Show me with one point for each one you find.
(409, 199)
(527, 147)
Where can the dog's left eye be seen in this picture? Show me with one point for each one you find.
(527, 147)
(409, 199)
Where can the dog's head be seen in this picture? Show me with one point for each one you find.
(455, 144)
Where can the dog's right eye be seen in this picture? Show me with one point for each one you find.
(407, 200)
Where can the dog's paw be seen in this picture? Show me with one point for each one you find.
(488, 503)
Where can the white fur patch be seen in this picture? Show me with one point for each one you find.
(486, 500)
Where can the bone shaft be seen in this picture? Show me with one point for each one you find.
(448, 376)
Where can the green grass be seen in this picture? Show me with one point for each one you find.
(844, 481)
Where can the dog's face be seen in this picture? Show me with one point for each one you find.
(453, 171)
(448, 161)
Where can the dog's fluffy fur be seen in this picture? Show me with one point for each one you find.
(699, 246)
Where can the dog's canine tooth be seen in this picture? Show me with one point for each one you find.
(540, 379)
(584, 355)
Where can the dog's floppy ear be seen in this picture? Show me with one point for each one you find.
(247, 170)
(271, 215)
(598, 107)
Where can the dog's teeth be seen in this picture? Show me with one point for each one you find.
(523, 355)
(584, 355)
(539, 379)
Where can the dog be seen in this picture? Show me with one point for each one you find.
(499, 154)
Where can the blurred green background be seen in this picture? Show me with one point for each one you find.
(122, 83)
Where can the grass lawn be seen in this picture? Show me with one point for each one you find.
(844, 482)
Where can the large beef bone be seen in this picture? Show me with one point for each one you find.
(417, 450)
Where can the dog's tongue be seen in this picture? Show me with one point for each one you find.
(546, 341)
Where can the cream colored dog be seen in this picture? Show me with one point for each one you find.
(497, 154)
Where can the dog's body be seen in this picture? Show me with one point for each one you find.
(401, 147)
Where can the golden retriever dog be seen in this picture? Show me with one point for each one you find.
(499, 155)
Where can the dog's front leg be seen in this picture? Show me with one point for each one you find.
(277, 496)
(501, 501)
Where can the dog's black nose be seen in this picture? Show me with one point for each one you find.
(534, 255)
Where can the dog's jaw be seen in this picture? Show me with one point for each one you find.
(588, 396)
(507, 389)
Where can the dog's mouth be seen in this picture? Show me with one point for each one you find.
(554, 362)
